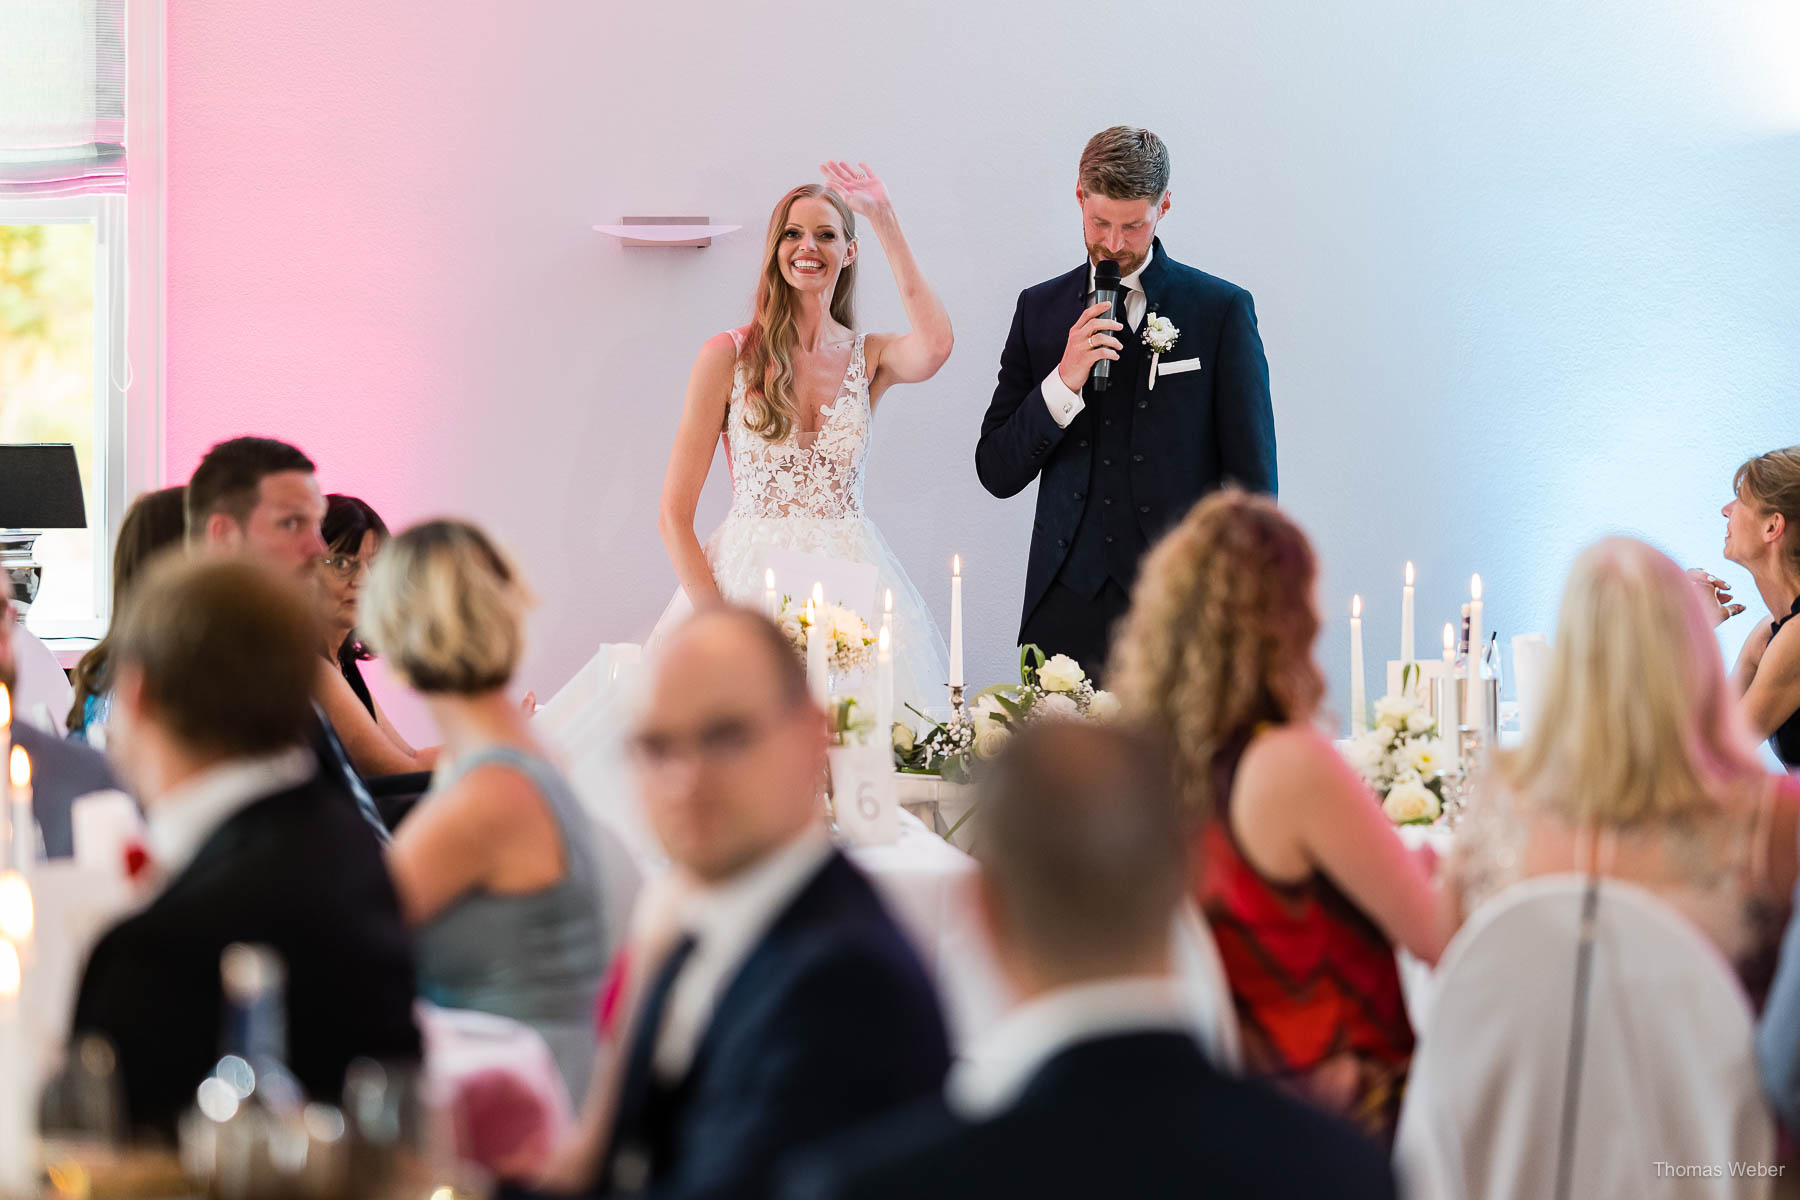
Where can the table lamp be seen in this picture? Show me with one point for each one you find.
(40, 488)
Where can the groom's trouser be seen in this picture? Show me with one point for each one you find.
(1067, 622)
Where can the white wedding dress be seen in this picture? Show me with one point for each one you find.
(805, 493)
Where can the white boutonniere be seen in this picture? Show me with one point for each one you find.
(1160, 335)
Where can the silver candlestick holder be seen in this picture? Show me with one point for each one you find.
(957, 709)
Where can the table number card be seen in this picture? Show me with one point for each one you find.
(863, 796)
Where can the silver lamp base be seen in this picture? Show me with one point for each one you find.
(20, 571)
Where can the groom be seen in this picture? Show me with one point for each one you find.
(1119, 466)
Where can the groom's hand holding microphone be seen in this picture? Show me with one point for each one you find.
(1090, 340)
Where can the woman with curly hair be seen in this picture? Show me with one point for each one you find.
(1304, 882)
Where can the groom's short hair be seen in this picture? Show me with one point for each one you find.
(1125, 163)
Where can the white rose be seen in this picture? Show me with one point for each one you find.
(1060, 674)
(790, 627)
(1104, 706)
(1420, 721)
(988, 707)
(990, 738)
(1393, 711)
(1409, 801)
(904, 739)
(1365, 753)
(1057, 705)
(1425, 756)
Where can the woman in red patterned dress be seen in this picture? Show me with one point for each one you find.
(1303, 880)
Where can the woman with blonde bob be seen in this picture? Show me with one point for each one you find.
(1640, 767)
(1303, 880)
(496, 867)
(1762, 535)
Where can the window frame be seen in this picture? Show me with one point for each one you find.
(129, 360)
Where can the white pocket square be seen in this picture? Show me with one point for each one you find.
(1175, 368)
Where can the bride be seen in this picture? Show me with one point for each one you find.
(792, 396)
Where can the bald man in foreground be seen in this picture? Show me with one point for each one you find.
(789, 1007)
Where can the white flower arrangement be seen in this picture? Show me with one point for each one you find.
(1402, 759)
(1054, 688)
(1160, 335)
(850, 642)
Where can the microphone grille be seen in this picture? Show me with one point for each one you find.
(1106, 271)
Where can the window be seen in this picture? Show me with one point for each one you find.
(61, 360)
(79, 82)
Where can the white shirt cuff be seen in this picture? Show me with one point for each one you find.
(1064, 405)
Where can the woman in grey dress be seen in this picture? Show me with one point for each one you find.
(496, 867)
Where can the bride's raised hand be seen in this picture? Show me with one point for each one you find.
(862, 191)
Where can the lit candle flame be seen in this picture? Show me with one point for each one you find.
(956, 564)
(1474, 587)
(818, 593)
(9, 970)
(1355, 607)
(1409, 573)
(16, 910)
(769, 579)
(887, 601)
(20, 767)
(1449, 638)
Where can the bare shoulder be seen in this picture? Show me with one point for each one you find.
(1296, 759)
(717, 354)
(874, 345)
(491, 800)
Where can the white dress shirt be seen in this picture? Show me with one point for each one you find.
(990, 1079)
(182, 821)
(727, 920)
(1066, 405)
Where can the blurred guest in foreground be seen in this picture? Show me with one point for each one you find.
(154, 523)
(61, 771)
(496, 866)
(212, 678)
(1094, 1085)
(785, 1005)
(1640, 768)
(257, 497)
(1302, 878)
(1762, 535)
(354, 533)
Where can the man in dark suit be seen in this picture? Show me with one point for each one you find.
(784, 1005)
(258, 497)
(1094, 1085)
(1116, 467)
(213, 667)
(61, 771)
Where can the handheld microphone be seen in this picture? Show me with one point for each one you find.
(1106, 291)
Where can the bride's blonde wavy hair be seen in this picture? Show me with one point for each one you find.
(768, 354)
(1219, 637)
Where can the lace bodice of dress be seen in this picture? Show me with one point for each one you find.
(814, 474)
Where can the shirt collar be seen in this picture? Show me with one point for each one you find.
(1021, 1043)
(1133, 282)
(737, 911)
(191, 813)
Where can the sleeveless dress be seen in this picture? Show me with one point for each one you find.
(536, 956)
(1313, 980)
(1785, 741)
(805, 492)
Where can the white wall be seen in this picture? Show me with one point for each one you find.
(1525, 275)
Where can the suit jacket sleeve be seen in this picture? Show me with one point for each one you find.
(1244, 417)
(853, 1043)
(1018, 433)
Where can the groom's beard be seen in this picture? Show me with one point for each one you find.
(1127, 263)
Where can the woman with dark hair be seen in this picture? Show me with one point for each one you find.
(154, 522)
(353, 534)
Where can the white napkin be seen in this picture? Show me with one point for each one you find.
(102, 825)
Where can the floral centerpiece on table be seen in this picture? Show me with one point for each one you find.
(850, 644)
(1402, 759)
(1053, 687)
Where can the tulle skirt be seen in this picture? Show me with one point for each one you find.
(588, 719)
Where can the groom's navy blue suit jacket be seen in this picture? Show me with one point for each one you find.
(1196, 431)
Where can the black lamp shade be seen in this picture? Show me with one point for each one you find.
(40, 487)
